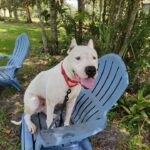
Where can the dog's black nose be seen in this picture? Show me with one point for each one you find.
(90, 71)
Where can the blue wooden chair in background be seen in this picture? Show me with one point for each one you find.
(15, 61)
(90, 113)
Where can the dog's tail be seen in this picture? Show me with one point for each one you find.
(16, 122)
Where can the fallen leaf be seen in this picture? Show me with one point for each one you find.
(7, 130)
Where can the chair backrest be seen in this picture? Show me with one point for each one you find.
(110, 84)
(20, 51)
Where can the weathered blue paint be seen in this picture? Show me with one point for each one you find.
(89, 115)
(8, 72)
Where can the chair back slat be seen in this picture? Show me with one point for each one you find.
(19, 53)
(110, 84)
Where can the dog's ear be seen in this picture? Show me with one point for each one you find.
(90, 44)
(72, 45)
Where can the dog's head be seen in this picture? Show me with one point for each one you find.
(83, 61)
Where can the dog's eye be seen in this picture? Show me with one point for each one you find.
(78, 58)
(94, 57)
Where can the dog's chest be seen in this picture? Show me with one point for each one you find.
(74, 92)
(73, 95)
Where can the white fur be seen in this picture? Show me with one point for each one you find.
(50, 85)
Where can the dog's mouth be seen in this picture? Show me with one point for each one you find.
(86, 83)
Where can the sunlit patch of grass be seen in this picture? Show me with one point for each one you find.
(7, 38)
(3, 30)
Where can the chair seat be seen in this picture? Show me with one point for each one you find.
(63, 135)
(45, 140)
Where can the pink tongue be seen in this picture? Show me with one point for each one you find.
(88, 83)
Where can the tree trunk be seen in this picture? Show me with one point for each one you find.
(10, 12)
(53, 27)
(15, 14)
(104, 11)
(120, 17)
(4, 12)
(93, 12)
(81, 9)
(132, 16)
(29, 20)
(113, 22)
(43, 33)
(101, 9)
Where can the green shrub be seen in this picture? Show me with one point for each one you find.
(135, 109)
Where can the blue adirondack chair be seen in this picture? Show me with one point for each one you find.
(90, 113)
(8, 72)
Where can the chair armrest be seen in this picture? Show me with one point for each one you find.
(5, 56)
(8, 67)
(73, 133)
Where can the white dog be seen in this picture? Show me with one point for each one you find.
(48, 88)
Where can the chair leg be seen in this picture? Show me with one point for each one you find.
(16, 84)
(86, 145)
(26, 137)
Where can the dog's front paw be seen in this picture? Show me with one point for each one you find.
(32, 128)
(66, 123)
(48, 122)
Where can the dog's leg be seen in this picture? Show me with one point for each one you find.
(32, 105)
(30, 124)
(50, 111)
(69, 108)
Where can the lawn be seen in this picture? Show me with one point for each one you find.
(9, 32)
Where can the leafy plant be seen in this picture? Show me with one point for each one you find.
(136, 109)
(135, 142)
(132, 114)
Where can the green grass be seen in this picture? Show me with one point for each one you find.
(8, 132)
(9, 33)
